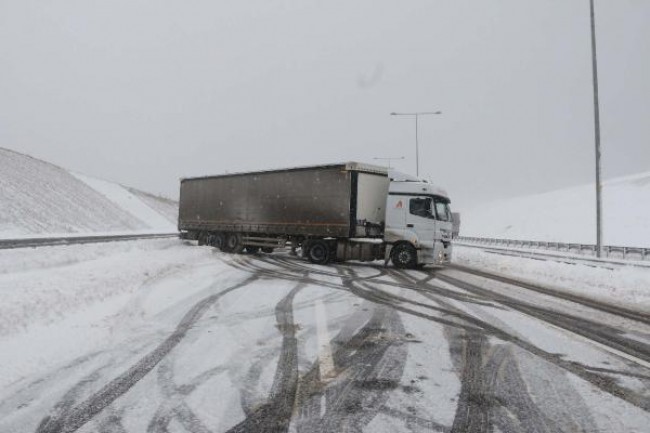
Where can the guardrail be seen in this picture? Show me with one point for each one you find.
(609, 251)
(69, 240)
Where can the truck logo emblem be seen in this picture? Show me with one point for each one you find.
(399, 205)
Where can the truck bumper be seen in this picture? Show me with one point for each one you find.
(440, 254)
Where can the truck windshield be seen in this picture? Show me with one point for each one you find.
(443, 211)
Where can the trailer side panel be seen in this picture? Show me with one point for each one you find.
(310, 202)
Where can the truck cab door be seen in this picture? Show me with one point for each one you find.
(420, 219)
(396, 207)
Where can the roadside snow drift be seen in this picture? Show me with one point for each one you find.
(38, 198)
(568, 215)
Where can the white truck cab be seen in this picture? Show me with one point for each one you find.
(418, 222)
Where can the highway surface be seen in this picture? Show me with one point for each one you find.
(271, 343)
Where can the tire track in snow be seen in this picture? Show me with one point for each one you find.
(371, 356)
(472, 411)
(572, 297)
(606, 384)
(175, 406)
(511, 405)
(370, 364)
(467, 348)
(493, 389)
(413, 422)
(451, 320)
(275, 414)
(299, 265)
(589, 329)
(112, 423)
(66, 404)
(76, 417)
(249, 398)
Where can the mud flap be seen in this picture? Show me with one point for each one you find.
(389, 249)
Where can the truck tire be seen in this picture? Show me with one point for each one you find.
(233, 243)
(252, 250)
(404, 256)
(202, 238)
(319, 253)
(216, 240)
(267, 250)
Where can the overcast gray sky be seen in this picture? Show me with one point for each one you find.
(144, 92)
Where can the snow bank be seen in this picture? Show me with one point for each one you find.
(164, 206)
(38, 198)
(568, 215)
(129, 202)
(62, 302)
(42, 285)
(626, 286)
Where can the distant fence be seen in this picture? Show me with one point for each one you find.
(624, 253)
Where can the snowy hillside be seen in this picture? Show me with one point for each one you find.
(38, 198)
(164, 206)
(568, 215)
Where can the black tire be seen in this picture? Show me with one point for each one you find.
(319, 253)
(267, 250)
(202, 238)
(404, 256)
(251, 250)
(216, 240)
(233, 243)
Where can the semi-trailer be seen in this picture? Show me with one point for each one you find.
(336, 212)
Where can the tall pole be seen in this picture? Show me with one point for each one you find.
(417, 147)
(594, 66)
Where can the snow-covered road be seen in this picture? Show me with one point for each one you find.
(164, 336)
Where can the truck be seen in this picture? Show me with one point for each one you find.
(332, 213)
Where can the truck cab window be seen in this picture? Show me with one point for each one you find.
(420, 207)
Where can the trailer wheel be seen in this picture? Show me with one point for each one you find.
(216, 240)
(319, 253)
(404, 256)
(267, 250)
(233, 243)
(252, 250)
(202, 238)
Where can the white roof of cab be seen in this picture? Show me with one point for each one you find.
(406, 184)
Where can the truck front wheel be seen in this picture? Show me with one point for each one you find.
(319, 253)
(404, 256)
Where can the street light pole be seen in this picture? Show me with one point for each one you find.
(417, 148)
(389, 159)
(416, 115)
(594, 67)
